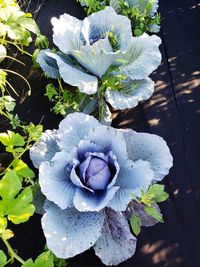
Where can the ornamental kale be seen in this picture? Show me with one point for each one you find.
(89, 173)
(102, 46)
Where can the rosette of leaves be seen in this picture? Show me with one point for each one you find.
(89, 173)
(100, 56)
(143, 14)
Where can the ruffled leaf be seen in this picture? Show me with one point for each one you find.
(132, 178)
(45, 149)
(97, 25)
(109, 139)
(73, 129)
(88, 201)
(154, 28)
(116, 243)
(69, 232)
(151, 148)
(38, 199)
(132, 93)
(74, 75)
(55, 182)
(98, 57)
(154, 8)
(66, 33)
(48, 64)
(142, 57)
(115, 5)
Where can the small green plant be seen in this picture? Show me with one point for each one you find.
(65, 100)
(141, 21)
(92, 6)
(148, 204)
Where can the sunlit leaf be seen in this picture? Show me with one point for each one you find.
(3, 224)
(136, 223)
(14, 203)
(34, 131)
(11, 139)
(3, 258)
(152, 211)
(43, 260)
(22, 169)
(158, 193)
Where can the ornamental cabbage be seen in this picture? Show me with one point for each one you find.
(103, 44)
(88, 173)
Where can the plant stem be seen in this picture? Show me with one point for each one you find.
(13, 72)
(14, 59)
(19, 48)
(12, 253)
(60, 85)
(4, 114)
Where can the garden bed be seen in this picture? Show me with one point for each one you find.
(172, 112)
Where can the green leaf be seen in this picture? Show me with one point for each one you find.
(4, 139)
(137, 32)
(14, 120)
(41, 42)
(136, 223)
(9, 103)
(43, 260)
(14, 203)
(34, 131)
(60, 262)
(11, 139)
(3, 224)
(22, 169)
(3, 258)
(158, 193)
(29, 24)
(51, 91)
(28, 263)
(34, 58)
(153, 212)
(57, 261)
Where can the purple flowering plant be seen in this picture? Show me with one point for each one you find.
(90, 173)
